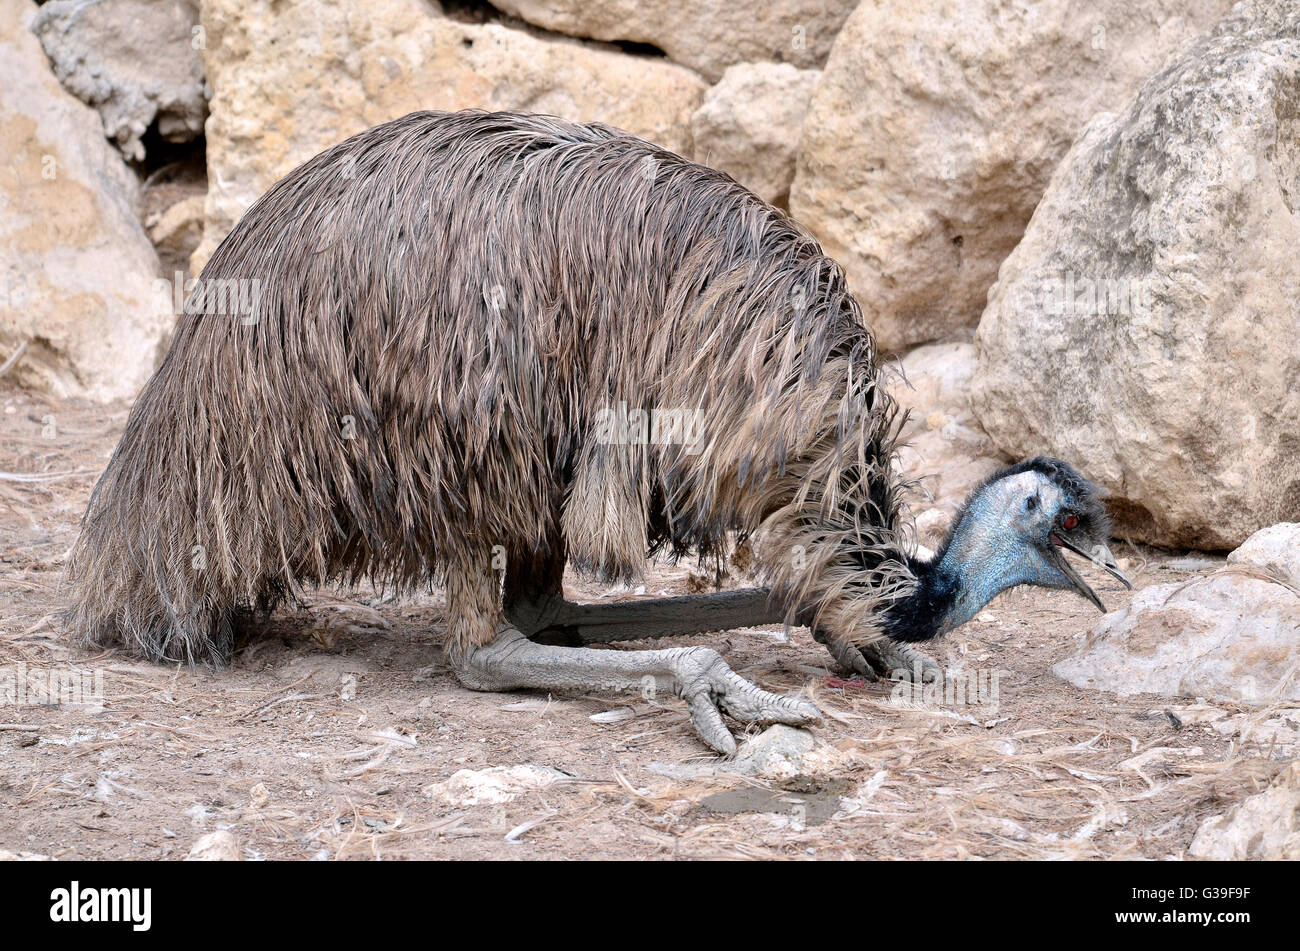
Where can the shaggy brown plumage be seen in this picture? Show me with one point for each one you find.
(445, 304)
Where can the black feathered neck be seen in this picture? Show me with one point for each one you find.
(920, 616)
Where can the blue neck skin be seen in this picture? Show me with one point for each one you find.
(982, 562)
(981, 558)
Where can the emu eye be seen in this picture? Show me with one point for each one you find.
(1071, 522)
(1031, 503)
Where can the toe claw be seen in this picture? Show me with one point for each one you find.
(846, 654)
(894, 661)
(711, 688)
(807, 714)
(708, 723)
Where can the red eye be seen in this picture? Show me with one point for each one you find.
(1071, 522)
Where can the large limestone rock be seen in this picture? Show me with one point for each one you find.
(1148, 326)
(76, 270)
(1264, 826)
(135, 61)
(946, 451)
(706, 36)
(294, 78)
(937, 124)
(749, 125)
(1233, 635)
(1274, 551)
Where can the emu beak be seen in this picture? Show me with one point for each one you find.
(1099, 556)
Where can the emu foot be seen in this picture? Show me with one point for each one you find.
(880, 659)
(894, 661)
(711, 688)
(696, 674)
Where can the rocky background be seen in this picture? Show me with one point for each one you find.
(1072, 225)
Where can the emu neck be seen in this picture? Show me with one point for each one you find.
(974, 565)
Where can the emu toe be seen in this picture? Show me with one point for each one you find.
(711, 688)
(879, 659)
(893, 661)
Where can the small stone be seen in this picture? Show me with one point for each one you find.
(218, 846)
(937, 420)
(497, 784)
(777, 751)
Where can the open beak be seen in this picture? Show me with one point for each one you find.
(1099, 556)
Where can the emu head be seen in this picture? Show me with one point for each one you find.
(1017, 527)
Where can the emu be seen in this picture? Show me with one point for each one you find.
(448, 304)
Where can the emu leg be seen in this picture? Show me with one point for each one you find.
(549, 619)
(696, 674)
(534, 603)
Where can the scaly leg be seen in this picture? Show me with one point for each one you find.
(535, 605)
(553, 620)
(696, 674)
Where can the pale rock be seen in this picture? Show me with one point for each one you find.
(1228, 636)
(291, 79)
(749, 125)
(1276, 737)
(1274, 551)
(945, 449)
(936, 126)
(176, 230)
(76, 270)
(1263, 826)
(1146, 327)
(776, 752)
(496, 784)
(706, 36)
(220, 846)
(135, 61)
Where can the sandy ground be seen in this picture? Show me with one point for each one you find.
(333, 735)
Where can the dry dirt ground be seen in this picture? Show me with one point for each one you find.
(329, 736)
